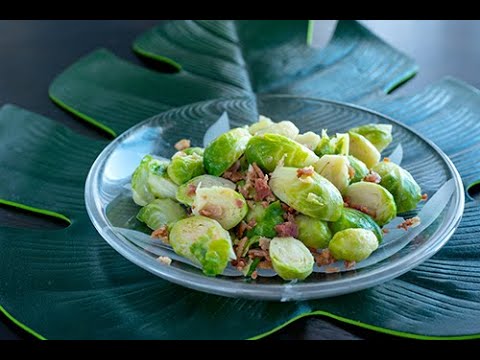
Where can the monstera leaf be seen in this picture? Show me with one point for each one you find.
(228, 59)
(69, 284)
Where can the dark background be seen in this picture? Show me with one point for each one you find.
(34, 52)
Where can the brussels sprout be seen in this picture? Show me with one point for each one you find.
(380, 135)
(353, 219)
(375, 198)
(186, 192)
(184, 167)
(225, 205)
(194, 150)
(313, 195)
(266, 219)
(267, 150)
(353, 244)
(150, 181)
(401, 184)
(335, 168)
(336, 145)
(203, 241)
(290, 258)
(360, 170)
(285, 128)
(313, 232)
(222, 152)
(161, 212)
(363, 150)
(309, 140)
(263, 122)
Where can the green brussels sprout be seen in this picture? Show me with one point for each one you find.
(308, 139)
(312, 195)
(380, 135)
(185, 167)
(353, 244)
(186, 192)
(263, 122)
(354, 219)
(335, 168)
(285, 128)
(401, 184)
(225, 205)
(313, 232)
(150, 181)
(161, 212)
(194, 150)
(267, 150)
(363, 150)
(222, 152)
(360, 170)
(203, 241)
(375, 198)
(339, 144)
(291, 259)
(266, 219)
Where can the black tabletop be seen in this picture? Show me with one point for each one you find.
(34, 52)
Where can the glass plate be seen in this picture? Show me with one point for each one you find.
(109, 204)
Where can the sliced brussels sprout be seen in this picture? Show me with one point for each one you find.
(313, 232)
(222, 152)
(203, 241)
(161, 212)
(360, 170)
(285, 128)
(338, 144)
(262, 123)
(194, 150)
(401, 184)
(291, 259)
(185, 167)
(267, 150)
(308, 139)
(311, 195)
(380, 135)
(266, 219)
(150, 181)
(354, 219)
(225, 205)
(186, 192)
(335, 168)
(363, 150)
(374, 198)
(353, 244)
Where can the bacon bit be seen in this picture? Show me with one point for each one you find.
(245, 190)
(251, 223)
(242, 227)
(211, 211)
(349, 264)
(239, 264)
(409, 223)
(265, 204)
(386, 159)
(263, 191)
(161, 233)
(287, 229)
(288, 209)
(351, 172)
(265, 264)
(164, 260)
(305, 172)
(264, 243)
(258, 172)
(191, 190)
(251, 204)
(239, 203)
(373, 177)
(233, 172)
(361, 208)
(324, 258)
(253, 253)
(254, 275)
(241, 247)
(385, 230)
(182, 144)
(332, 269)
(425, 197)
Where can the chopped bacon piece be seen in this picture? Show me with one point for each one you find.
(385, 230)
(233, 173)
(254, 275)
(264, 243)
(258, 172)
(251, 223)
(265, 264)
(386, 159)
(324, 258)
(164, 260)
(412, 222)
(425, 197)
(287, 229)
(242, 227)
(362, 208)
(305, 172)
(239, 263)
(259, 253)
(161, 233)
(373, 177)
(349, 264)
(211, 210)
(182, 144)
(288, 209)
(262, 189)
(351, 172)
(191, 190)
(241, 247)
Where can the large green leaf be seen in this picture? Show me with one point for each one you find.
(227, 59)
(70, 284)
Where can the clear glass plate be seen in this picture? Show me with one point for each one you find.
(112, 211)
